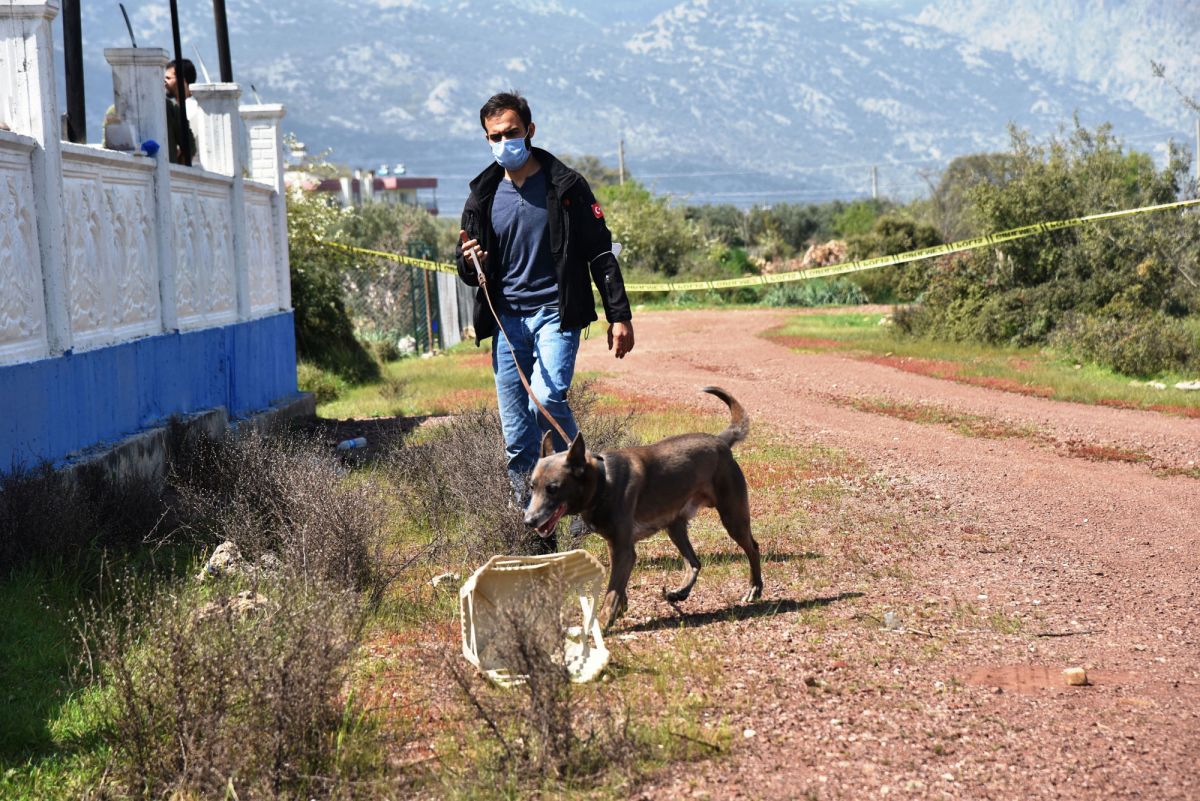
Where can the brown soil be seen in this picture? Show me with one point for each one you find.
(1075, 561)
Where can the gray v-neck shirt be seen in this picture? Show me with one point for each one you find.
(519, 218)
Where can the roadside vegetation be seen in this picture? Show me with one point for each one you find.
(321, 662)
(1028, 370)
(1120, 298)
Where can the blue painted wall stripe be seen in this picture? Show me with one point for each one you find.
(54, 408)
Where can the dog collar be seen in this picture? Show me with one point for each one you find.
(601, 486)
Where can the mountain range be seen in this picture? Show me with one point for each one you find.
(741, 101)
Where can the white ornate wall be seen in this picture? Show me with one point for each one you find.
(105, 256)
(99, 247)
(112, 260)
(205, 278)
(22, 306)
(261, 246)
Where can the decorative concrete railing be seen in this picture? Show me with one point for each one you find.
(131, 289)
(99, 247)
(22, 305)
(112, 259)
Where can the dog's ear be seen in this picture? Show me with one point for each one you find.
(547, 444)
(576, 455)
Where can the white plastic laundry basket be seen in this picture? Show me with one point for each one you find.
(502, 588)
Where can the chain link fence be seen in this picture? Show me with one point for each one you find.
(407, 308)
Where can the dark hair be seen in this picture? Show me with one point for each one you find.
(505, 101)
(185, 69)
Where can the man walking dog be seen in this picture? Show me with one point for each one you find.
(541, 240)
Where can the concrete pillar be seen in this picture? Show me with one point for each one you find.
(218, 127)
(139, 99)
(31, 108)
(265, 137)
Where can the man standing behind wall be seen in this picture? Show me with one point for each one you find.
(538, 232)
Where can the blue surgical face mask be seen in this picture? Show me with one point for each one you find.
(511, 154)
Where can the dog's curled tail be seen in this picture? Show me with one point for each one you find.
(739, 426)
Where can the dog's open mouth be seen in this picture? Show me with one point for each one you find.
(545, 528)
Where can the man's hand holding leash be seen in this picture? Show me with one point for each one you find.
(477, 255)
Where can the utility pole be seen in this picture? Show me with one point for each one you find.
(73, 61)
(222, 25)
(1196, 155)
(874, 183)
(621, 159)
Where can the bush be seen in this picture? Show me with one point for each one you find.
(817, 292)
(236, 697)
(286, 496)
(324, 333)
(456, 487)
(655, 236)
(325, 386)
(393, 228)
(1154, 343)
(1020, 292)
(71, 516)
(857, 218)
(891, 234)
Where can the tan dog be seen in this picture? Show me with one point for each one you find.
(630, 493)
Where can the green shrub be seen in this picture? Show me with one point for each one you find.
(858, 218)
(817, 292)
(1151, 344)
(324, 333)
(393, 228)
(655, 235)
(890, 234)
(1020, 292)
(323, 384)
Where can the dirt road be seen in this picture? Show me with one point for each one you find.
(1095, 563)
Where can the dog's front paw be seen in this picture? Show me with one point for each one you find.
(752, 594)
(613, 608)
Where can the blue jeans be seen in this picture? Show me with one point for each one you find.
(547, 357)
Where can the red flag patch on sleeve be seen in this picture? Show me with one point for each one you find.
(599, 212)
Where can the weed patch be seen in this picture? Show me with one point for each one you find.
(544, 729)
(1105, 453)
(968, 425)
(287, 497)
(213, 694)
(56, 517)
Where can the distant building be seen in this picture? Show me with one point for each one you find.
(371, 188)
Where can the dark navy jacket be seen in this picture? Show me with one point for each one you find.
(580, 244)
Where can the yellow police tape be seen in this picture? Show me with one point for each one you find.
(424, 264)
(832, 269)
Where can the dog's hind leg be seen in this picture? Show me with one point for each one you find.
(677, 531)
(734, 508)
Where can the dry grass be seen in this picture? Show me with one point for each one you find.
(55, 516)
(454, 485)
(966, 424)
(216, 701)
(289, 497)
(543, 729)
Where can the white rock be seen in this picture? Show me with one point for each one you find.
(225, 560)
(1188, 386)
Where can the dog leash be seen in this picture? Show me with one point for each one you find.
(512, 352)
